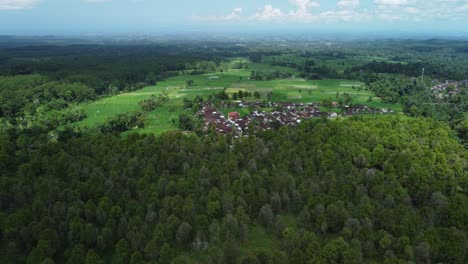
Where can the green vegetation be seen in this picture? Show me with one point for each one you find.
(353, 190)
(101, 110)
(103, 158)
(284, 90)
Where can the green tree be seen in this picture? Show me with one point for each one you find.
(327, 103)
(93, 258)
(183, 234)
(122, 249)
(266, 215)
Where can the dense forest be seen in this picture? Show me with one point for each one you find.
(361, 189)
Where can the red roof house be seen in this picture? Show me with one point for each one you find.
(234, 116)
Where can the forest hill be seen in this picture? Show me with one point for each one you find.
(285, 114)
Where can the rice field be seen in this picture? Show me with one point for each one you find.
(165, 118)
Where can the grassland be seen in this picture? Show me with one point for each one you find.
(165, 118)
(303, 91)
(103, 109)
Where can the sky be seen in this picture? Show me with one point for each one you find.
(100, 17)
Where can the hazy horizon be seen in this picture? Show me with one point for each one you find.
(139, 17)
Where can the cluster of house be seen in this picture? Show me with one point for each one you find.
(442, 87)
(214, 118)
(364, 109)
(256, 119)
(287, 114)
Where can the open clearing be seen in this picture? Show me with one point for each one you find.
(236, 90)
(165, 118)
(306, 87)
(202, 89)
(350, 85)
(294, 95)
(300, 90)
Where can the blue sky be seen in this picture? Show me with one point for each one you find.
(157, 16)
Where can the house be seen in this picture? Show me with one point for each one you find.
(289, 114)
(234, 116)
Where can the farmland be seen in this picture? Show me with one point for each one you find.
(232, 81)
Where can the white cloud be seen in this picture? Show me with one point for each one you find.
(344, 15)
(307, 11)
(303, 10)
(389, 17)
(269, 13)
(300, 13)
(305, 4)
(16, 4)
(412, 10)
(463, 8)
(420, 10)
(345, 4)
(391, 2)
(234, 15)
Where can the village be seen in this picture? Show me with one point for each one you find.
(284, 114)
(444, 87)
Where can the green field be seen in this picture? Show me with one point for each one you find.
(165, 118)
(103, 109)
(303, 91)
